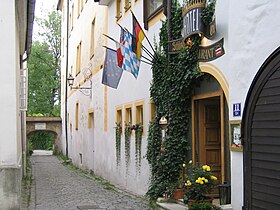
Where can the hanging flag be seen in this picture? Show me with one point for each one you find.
(120, 48)
(112, 73)
(139, 35)
(130, 61)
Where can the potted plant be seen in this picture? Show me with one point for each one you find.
(199, 182)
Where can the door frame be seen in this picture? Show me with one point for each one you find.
(219, 94)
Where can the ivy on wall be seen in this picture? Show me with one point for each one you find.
(138, 145)
(174, 77)
(127, 139)
(118, 142)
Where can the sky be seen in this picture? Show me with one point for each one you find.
(42, 8)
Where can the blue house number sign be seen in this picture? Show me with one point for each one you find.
(237, 109)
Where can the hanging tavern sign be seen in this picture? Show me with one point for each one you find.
(193, 22)
(205, 53)
(211, 52)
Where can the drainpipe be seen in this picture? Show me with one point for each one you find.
(66, 87)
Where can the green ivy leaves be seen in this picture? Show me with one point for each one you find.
(174, 77)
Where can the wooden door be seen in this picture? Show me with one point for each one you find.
(209, 141)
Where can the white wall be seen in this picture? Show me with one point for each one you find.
(9, 60)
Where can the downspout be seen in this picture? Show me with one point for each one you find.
(66, 87)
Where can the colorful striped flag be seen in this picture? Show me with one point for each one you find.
(139, 35)
(130, 61)
(120, 48)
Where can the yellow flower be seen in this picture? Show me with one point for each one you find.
(188, 183)
(206, 180)
(184, 165)
(213, 178)
(206, 168)
(201, 182)
(190, 162)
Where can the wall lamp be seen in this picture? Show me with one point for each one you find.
(87, 91)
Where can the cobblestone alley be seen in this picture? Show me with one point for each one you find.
(58, 187)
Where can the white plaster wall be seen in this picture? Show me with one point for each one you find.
(9, 61)
(251, 31)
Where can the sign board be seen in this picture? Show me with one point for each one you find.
(193, 24)
(40, 126)
(236, 109)
(235, 136)
(205, 53)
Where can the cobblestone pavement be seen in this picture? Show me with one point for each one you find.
(58, 187)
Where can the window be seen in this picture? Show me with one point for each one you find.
(153, 110)
(23, 89)
(77, 116)
(78, 58)
(72, 19)
(139, 114)
(90, 118)
(128, 115)
(71, 70)
(92, 38)
(151, 9)
(79, 8)
(127, 4)
(82, 5)
(119, 116)
(118, 9)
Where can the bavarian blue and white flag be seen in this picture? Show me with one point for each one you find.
(130, 61)
(112, 73)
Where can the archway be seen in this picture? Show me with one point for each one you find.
(261, 138)
(46, 124)
(210, 127)
(41, 140)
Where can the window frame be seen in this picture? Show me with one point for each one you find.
(127, 5)
(92, 38)
(118, 9)
(128, 114)
(78, 58)
(148, 17)
(77, 116)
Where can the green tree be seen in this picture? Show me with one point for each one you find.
(44, 68)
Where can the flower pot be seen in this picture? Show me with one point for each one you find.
(178, 194)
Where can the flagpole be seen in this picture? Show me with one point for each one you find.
(147, 51)
(146, 62)
(144, 48)
(144, 33)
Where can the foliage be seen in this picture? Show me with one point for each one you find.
(127, 138)
(203, 206)
(41, 140)
(208, 12)
(200, 206)
(44, 69)
(118, 142)
(199, 181)
(174, 77)
(138, 128)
